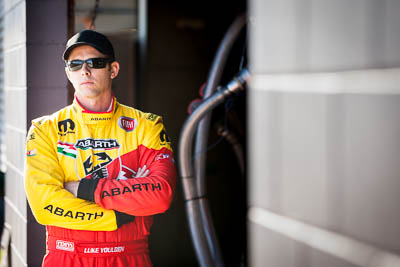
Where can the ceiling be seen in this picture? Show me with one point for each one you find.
(112, 15)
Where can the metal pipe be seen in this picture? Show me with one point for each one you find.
(141, 52)
(213, 80)
(236, 146)
(194, 201)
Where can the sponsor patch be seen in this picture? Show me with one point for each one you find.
(164, 156)
(96, 156)
(151, 117)
(65, 245)
(31, 137)
(31, 153)
(66, 149)
(126, 123)
(96, 144)
(66, 127)
(40, 122)
(164, 138)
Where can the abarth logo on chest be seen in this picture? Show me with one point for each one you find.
(97, 170)
(95, 156)
(97, 144)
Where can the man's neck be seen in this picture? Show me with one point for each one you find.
(95, 104)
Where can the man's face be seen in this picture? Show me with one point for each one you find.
(89, 82)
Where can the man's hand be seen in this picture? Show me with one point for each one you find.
(142, 172)
(72, 187)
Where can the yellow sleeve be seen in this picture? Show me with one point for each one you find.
(51, 204)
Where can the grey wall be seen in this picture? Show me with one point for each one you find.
(15, 84)
(324, 133)
(35, 33)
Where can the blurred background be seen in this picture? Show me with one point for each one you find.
(318, 121)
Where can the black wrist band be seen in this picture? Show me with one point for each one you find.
(86, 189)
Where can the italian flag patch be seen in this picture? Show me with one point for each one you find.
(66, 149)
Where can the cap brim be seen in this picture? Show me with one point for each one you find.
(69, 49)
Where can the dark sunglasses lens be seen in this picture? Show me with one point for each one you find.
(97, 63)
(75, 65)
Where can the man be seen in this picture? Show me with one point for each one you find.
(96, 171)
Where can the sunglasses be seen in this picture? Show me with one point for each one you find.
(93, 63)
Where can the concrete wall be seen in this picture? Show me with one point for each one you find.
(15, 84)
(35, 33)
(324, 133)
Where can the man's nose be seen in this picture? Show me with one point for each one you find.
(85, 69)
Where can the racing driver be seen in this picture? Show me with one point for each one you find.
(97, 171)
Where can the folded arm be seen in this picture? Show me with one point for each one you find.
(50, 202)
(142, 195)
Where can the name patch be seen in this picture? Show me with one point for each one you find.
(104, 250)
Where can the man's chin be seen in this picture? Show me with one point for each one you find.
(89, 94)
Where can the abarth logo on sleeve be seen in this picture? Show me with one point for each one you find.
(73, 214)
(66, 149)
(126, 123)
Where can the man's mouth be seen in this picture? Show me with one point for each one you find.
(86, 82)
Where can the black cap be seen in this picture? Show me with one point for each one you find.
(92, 38)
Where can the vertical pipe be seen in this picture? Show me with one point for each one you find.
(213, 80)
(194, 201)
(142, 28)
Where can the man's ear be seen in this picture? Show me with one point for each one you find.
(114, 69)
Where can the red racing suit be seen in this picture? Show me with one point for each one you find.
(108, 223)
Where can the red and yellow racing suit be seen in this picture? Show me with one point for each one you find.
(108, 223)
